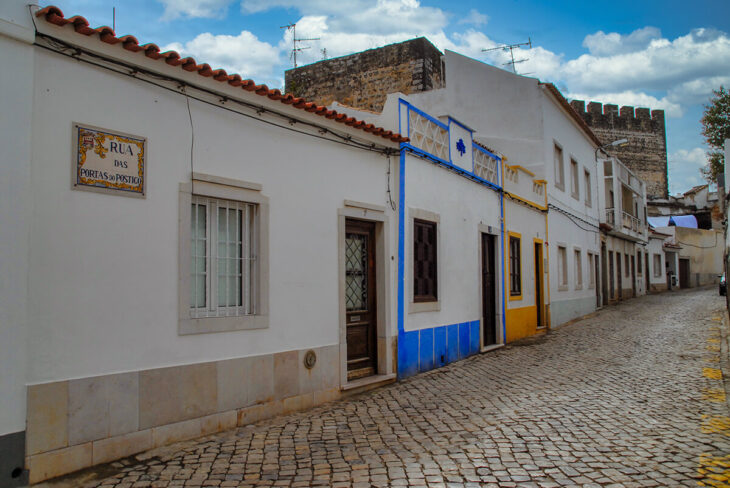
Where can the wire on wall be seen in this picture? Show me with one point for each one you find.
(65, 49)
(390, 194)
(192, 140)
(575, 219)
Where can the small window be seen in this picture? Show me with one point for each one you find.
(574, 186)
(223, 266)
(658, 271)
(578, 269)
(515, 272)
(627, 264)
(562, 267)
(592, 269)
(425, 278)
(559, 170)
(638, 264)
(589, 198)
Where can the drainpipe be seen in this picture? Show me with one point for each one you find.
(501, 220)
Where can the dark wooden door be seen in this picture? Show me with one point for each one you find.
(596, 275)
(646, 273)
(489, 289)
(620, 276)
(633, 275)
(684, 273)
(539, 301)
(360, 303)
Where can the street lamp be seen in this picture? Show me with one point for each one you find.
(618, 143)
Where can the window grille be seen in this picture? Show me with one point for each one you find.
(223, 254)
(425, 276)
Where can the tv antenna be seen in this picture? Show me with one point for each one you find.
(295, 41)
(511, 48)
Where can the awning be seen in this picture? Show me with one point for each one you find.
(684, 221)
(659, 221)
(676, 220)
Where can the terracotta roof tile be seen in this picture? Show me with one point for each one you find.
(54, 15)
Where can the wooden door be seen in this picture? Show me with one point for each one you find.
(360, 303)
(539, 300)
(595, 277)
(489, 290)
(633, 275)
(620, 276)
(684, 273)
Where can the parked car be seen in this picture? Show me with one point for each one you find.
(723, 285)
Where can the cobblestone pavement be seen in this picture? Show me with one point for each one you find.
(631, 396)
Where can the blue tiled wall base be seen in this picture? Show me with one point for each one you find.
(426, 349)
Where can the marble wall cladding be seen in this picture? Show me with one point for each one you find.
(168, 395)
(47, 421)
(88, 421)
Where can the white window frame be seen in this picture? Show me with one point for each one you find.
(559, 166)
(592, 257)
(578, 268)
(658, 270)
(562, 267)
(431, 306)
(574, 179)
(234, 194)
(588, 193)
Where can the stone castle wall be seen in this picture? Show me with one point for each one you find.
(646, 152)
(364, 79)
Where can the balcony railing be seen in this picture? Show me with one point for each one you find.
(611, 216)
(631, 222)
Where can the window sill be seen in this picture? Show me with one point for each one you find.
(578, 287)
(562, 287)
(418, 307)
(222, 324)
(515, 298)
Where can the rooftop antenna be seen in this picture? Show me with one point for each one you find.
(295, 49)
(114, 19)
(511, 48)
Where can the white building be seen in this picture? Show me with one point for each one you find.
(624, 222)
(182, 251)
(535, 126)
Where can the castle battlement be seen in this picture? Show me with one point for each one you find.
(627, 113)
(646, 151)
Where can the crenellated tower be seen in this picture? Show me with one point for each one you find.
(646, 152)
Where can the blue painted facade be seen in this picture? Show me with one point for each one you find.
(433, 347)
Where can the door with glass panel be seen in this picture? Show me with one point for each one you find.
(360, 303)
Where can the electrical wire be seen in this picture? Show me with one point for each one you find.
(574, 218)
(192, 141)
(390, 195)
(76, 53)
(699, 247)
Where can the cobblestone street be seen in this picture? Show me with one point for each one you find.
(631, 396)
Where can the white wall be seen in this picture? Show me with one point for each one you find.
(16, 82)
(503, 108)
(574, 232)
(530, 224)
(462, 205)
(655, 247)
(104, 269)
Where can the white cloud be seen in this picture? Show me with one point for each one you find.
(662, 65)
(602, 44)
(684, 169)
(194, 8)
(244, 54)
(474, 17)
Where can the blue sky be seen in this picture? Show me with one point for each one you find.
(658, 54)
